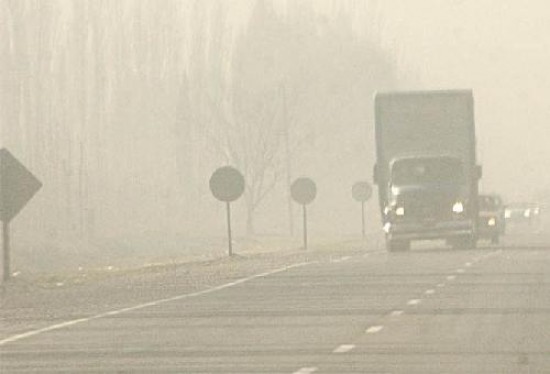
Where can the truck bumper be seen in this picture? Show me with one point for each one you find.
(429, 231)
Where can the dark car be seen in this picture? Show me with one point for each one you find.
(491, 221)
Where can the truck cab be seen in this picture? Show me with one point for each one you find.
(428, 198)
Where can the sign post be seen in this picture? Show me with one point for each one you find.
(229, 236)
(362, 191)
(17, 187)
(6, 249)
(227, 185)
(304, 191)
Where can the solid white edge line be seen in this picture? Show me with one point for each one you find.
(28, 334)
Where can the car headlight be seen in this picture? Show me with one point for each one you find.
(458, 207)
(395, 190)
(491, 222)
(400, 211)
(527, 213)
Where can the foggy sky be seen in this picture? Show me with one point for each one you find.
(498, 48)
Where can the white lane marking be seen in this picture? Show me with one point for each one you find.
(460, 271)
(468, 264)
(306, 371)
(45, 329)
(451, 277)
(396, 313)
(344, 348)
(440, 285)
(374, 329)
(28, 334)
(413, 302)
(366, 255)
(429, 292)
(345, 258)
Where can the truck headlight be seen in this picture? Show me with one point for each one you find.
(458, 207)
(491, 222)
(400, 211)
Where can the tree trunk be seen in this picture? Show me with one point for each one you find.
(250, 217)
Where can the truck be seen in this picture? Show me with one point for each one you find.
(426, 170)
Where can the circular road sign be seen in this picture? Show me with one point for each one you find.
(303, 190)
(361, 191)
(227, 184)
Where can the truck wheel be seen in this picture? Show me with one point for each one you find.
(394, 245)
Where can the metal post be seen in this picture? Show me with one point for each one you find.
(305, 226)
(363, 218)
(229, 228)
(6, 249)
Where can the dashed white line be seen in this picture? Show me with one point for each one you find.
(440, 285)
(468, 264)
(345, 258)
(460, 271)
(344, 348)
(374, 329)
(413, 302)
(429, 292)
(58, 326)
(306, 370)
(396, 313)
(451, 277)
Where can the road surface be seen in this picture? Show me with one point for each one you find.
(425, 311)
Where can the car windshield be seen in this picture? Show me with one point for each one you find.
(488, 203)
(427, 170)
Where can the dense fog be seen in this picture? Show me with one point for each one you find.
(123, 109)
(498, 48)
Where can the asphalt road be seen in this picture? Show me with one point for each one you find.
(425, 311)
